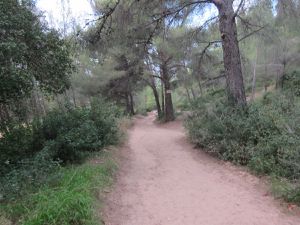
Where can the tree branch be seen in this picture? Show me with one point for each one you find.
(239, 8)
(250, 34)
(103, 18)
(214, 78)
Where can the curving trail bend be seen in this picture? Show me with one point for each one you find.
(164, 181)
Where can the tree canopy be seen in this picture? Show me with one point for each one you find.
(30, 53)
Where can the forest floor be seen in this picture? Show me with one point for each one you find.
(163, 180)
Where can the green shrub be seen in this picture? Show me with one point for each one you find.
(70, 135)
(28, 175)
(106, 117)
(15, 145)
(69, 200)
(291, 82)
(265, 136)
(29, 152)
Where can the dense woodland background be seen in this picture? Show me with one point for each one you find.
(233, 73)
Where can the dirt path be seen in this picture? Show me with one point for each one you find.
(164, 181)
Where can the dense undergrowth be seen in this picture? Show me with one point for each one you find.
(43, 180)
(69, 199)
(265, 136)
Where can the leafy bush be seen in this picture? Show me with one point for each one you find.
(28, 175)
(70, 200)
(106, 116)
(71, 135)
(265, 137)
(29, 152)
(15, 145)
(292, 82)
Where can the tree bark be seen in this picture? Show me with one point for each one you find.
(128, 104)
(282, 77)
(131, 104)
(188, 94)
(73, 96)
(200, 86)
(169, 111)
(254, 76)
(162, 98)
(4, 116)
(156, 97)
(231, 52)
(193, 93)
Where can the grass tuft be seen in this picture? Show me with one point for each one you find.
(71, 201)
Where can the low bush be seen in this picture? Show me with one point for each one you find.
(265, 136)
(68, 200)
(70, 135)
(29, 152)
(291, 82)
(28, 175)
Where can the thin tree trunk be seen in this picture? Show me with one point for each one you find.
(37, 107)
(4, 116)
(41, 101)
(254, 76)
(169, 111)
(128, 108)
(185, 84)
(200, 86)
(188, 94)
(277, 85)
(44, 103)
(266, 68)
(60, 105)
(156, 97)
(131, 104)
(163, 98)
(193, 93)
(231, 52)
(280, 77)
(73, 96)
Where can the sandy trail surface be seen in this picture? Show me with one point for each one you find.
(163, 180)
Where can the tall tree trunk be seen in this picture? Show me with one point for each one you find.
(231, 52)
(4, 116)
(169, 111)
(127, 104)
(131, 104)
(162, 97)
(60, 106)
(193, 93)
(188, 94)
(254, 76)
(266, 68)
(36, 105)
(156, 97)
(200, 86)
(186, 84)
(42, 102)
(280, 76)
(73, 96)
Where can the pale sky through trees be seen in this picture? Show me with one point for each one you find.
(80, 10)
(83, 12)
